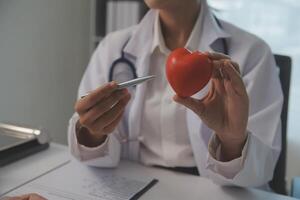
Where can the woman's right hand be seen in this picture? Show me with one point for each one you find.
(100, 112)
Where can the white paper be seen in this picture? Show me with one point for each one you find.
(76, 181)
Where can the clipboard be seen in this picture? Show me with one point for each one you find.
(76, 181)
(17, 142)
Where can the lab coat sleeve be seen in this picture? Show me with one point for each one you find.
(107, 154)
(260, 154)
(227, 169)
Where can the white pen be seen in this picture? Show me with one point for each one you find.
(130, 83)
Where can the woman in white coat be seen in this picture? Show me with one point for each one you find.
(231, 136)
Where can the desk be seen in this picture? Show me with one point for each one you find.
(171, 185)
(24, 170)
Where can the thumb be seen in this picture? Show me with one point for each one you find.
(191, 103)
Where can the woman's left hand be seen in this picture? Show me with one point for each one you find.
(225, 109)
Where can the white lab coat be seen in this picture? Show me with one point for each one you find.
(260, 76)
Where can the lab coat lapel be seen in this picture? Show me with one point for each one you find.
(135, 114)
(139, 47)
(199, 133)
(211, 31)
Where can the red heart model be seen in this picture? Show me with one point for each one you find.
(188, 72)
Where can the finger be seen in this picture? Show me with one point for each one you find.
(232, 74)
(223, 81)
(211, 92)
(191, 103)
(236, 66)
(24, 197)
(36, 197)
(111, 115)
(229, 88)
(219, 86)
(102, 107)
(218, 75)
(94, 97)
(12, 198)
(32, 196)
(235, 79)
(216, 55)
(217, 68)
(111, 127)
(219, 64)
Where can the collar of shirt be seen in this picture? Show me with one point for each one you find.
(192, 43)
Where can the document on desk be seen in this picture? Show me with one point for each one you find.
(76, 181)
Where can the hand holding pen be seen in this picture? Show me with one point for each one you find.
(101, 110)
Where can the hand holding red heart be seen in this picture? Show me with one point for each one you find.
(226, 106)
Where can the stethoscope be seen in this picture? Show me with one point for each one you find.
(125, 62)
(122, 61)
